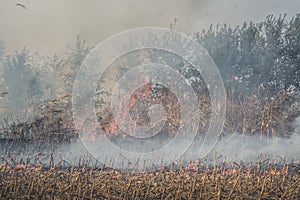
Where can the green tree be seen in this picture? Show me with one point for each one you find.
(264, 54)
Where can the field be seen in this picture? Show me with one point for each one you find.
(31, 170)
(32, 166)
(236, 182)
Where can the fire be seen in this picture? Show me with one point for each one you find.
(109, 125)
(111, 128)
(140, 94)
(276, 172)
(19, 167)
(4, 166)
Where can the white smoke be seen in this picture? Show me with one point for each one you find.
(232, 147)
(47, 26)
(245, 148)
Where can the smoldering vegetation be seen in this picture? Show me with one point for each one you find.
(259, 63)
(257, 154)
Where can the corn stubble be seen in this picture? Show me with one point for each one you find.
(21, 182)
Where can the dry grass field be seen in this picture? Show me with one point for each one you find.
(236, 182)
(21, 179)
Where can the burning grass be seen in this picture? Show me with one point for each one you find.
(261, 112)
(29, 178)
(42, 174)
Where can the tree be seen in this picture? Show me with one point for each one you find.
(264, 54)
(69, 68)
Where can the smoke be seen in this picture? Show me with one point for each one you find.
(26, 79)
(233, 147)
(250, 148)
(47, 26)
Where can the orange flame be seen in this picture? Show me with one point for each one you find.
(140, 94)
(111, 128)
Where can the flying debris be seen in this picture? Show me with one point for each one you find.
(3, 94)
(21, 5)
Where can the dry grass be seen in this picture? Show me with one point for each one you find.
(82, 183)
(259, 113)
(251, 114)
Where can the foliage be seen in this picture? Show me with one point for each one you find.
(2, 49)
(77, 54)
(20, 80)
(259, 63)
(264, 54)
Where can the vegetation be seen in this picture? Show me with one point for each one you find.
(259, 63)
(260, 66)
(196, 181)
(256, 55)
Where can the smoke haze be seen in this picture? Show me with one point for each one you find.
(232, 147)
(47, 26)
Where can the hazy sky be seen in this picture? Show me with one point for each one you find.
(47, 26)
